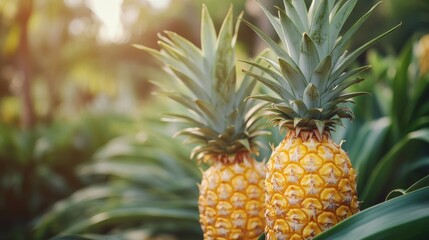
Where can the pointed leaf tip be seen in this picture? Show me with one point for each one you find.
(311, 96)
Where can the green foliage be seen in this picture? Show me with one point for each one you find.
(36, 164)
(143, 184)
(312, 66)
(219, 120)
(424, 182)
(383, 163)
(388, 141)
(405, 217)
(142, 181)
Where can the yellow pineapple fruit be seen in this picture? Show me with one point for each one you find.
(310, 183)
(231, 199)
(223, 126)
(310, 186)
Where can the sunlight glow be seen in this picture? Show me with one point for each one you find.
(159, 4)
(109, 12)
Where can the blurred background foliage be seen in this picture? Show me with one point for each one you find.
(82, 147)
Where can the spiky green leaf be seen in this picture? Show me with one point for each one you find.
(208, 34)
(291, 36)
(297, 10)
(338, 20)
(295, 78)
(309, 57)
(320, 27)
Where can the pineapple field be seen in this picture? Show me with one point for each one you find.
(214, 120)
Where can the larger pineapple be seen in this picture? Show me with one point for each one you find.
(310, 183)
(224, 126)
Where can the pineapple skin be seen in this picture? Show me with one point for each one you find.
(310, 186)
(231, 201)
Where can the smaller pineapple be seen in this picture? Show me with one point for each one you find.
(224, 126)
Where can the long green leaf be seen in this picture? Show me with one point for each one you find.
(296, 9)
(208, 34)
(273, 74)
(272, 85)
(338, 21)
(86, 237)
(320, 76)
(309, 57)
(225, 79)
(367, 146)
(275, 22)
(165, 58)
(343, 65)
(312, 9)
(344, 76)
(405, 218)
(188, 47)
(193, 86)
(291, 35)
(339, 46)
(294, 76)
(207, 109)
(424, 182)
(319, 29)
(189, 67)
(400, 92)
(383, 170)
(266, 98)
(271, 43)
(138, 214)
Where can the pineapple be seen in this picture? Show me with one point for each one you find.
(310, 183)
(224, 127)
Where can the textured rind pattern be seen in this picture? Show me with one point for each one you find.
(310, 186)
(231, 201)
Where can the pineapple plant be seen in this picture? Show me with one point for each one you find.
(223, 125)
(310, 183)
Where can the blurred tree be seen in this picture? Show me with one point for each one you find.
(24, 75)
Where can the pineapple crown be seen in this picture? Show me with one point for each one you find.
(310, 72)
(220, 122)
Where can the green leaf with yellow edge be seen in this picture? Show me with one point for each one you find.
(424, 182)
